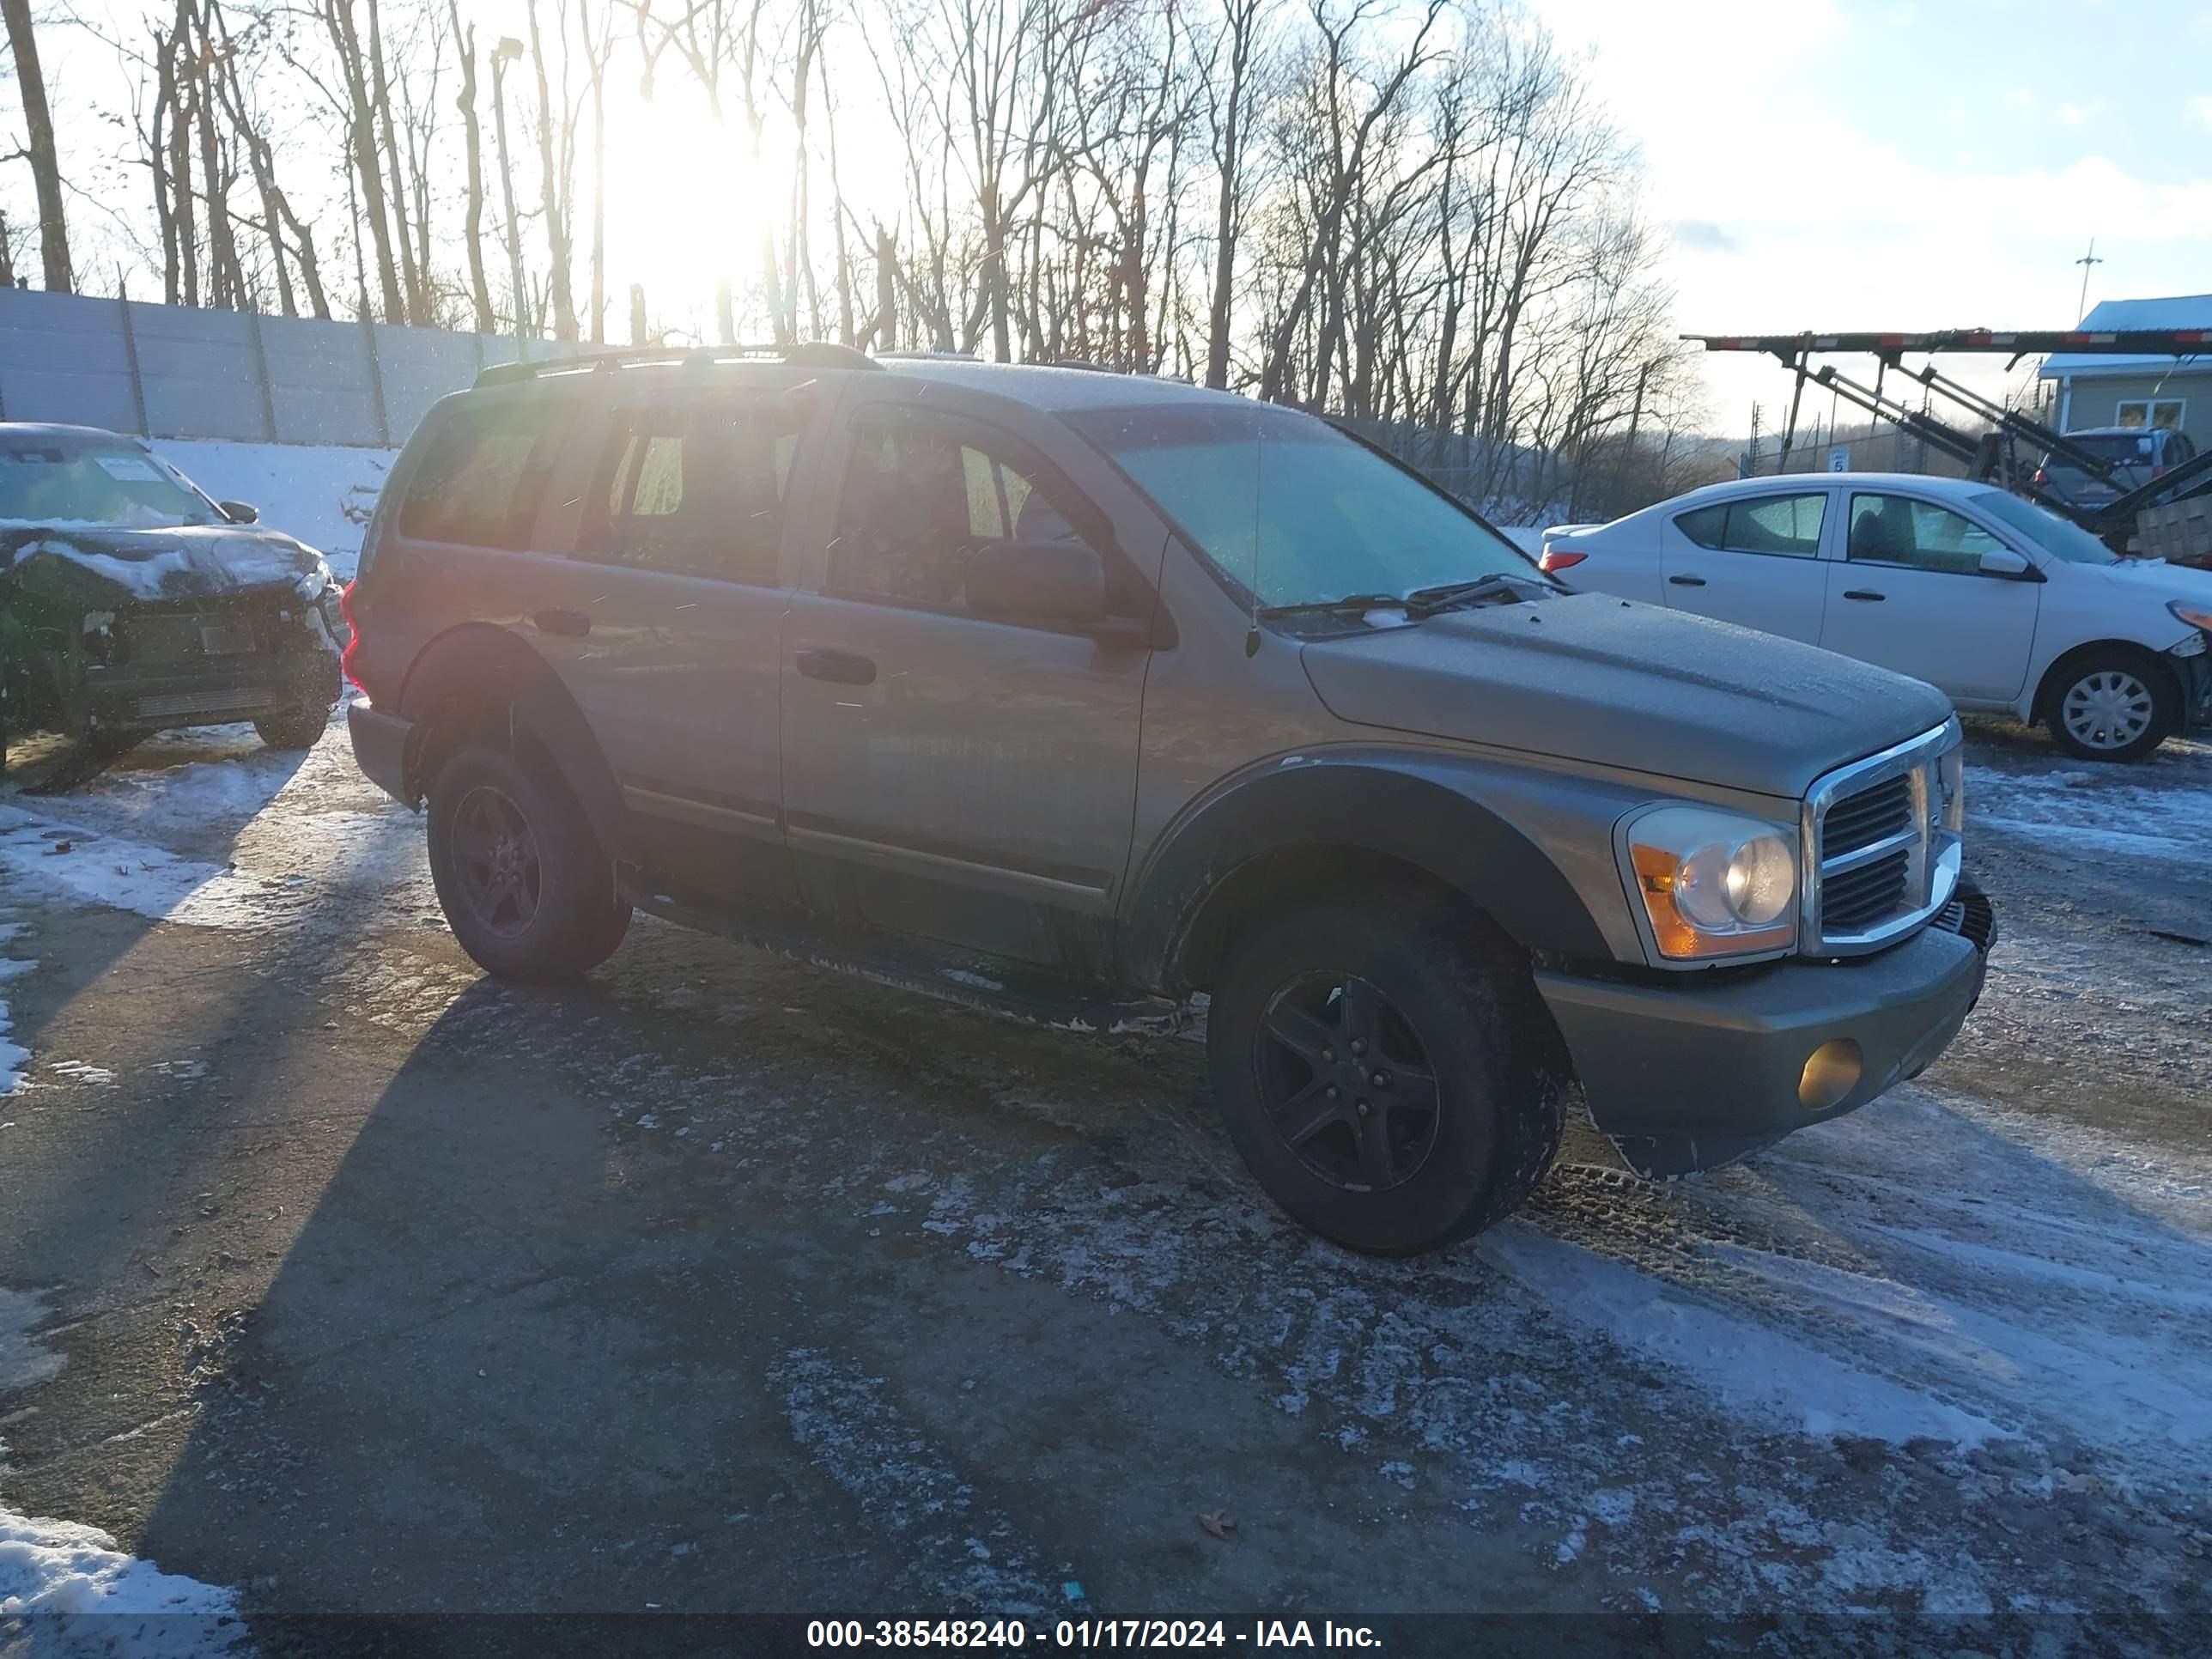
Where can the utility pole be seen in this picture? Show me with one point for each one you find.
(2085, 261)
(507, 51)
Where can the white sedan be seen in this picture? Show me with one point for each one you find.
(2005, 607)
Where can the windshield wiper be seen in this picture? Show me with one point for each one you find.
(1427, 601)
(1349, 602)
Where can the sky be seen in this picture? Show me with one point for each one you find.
(1877, 164)
(1819, 164)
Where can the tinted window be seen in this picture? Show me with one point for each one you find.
(1785, 525)
(921, 498)
(1899, 530)
(695, 490)
(482, 473)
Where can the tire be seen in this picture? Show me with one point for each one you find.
(300, 728)
(539, 906)
(2110, 705)
(1435, 1162)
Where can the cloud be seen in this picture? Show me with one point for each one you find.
(1704, 236)
(2074, 115)
(2200, 111)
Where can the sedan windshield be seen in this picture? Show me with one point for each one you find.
(113, 485)
(2062, 537)
(1293, 510)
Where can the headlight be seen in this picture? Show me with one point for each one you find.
(1951, 786)
(2198, 617)
(1714, 884)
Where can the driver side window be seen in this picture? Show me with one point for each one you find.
(920, 500)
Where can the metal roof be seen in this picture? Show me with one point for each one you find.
(2176, 311)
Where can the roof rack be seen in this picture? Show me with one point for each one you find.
(811, 353)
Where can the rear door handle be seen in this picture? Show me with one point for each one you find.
(1863, 593)
(573, 623)
(840, 667)
(1687, 581)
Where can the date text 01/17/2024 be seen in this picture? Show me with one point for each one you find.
(944, 1634)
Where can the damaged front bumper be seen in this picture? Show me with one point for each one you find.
(1687, 1076)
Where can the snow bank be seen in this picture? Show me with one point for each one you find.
(76, 1594)
(321, 494)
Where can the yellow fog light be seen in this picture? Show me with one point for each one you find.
(1832, 1072)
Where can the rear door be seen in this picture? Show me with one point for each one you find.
(1909, 594)
(1753, 560)
(664, 623)
(949, 777)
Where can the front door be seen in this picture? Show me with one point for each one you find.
(947, 777)
(665, 625)
(1909, 594)
(1755, 561)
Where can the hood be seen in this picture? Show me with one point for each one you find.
(1594, 679)
(2154, 579)
(104, 567)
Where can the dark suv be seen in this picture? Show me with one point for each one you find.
(1077, 695)
(2134, 454)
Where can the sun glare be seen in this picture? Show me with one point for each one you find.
(686, 206)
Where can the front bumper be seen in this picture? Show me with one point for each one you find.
(380, 748)
(2196, 675)
(1684, 1077)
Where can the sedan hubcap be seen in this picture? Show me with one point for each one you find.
(2109, 709)
(1346, 1083)
(495, 857)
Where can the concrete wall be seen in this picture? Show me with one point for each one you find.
(173, 372)
(2096, 398)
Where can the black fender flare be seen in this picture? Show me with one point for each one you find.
(1409, 810)
(478, 667)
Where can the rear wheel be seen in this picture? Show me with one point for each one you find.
(300, 728)
(527, 888)
(2110, 706)
(1381, 1069)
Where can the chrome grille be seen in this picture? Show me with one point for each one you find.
(1878, 862)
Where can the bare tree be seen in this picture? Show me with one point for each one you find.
(45, 162)
(464, 46)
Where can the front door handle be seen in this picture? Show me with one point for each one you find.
(1863, 593)
(840, 667)
(1687, 581)
(573, 623)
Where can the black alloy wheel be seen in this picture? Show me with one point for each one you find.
(1346, 1083)
(495, 859)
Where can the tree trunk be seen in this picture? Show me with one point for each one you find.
(550, 196)
(597, 55)
(472, 222)
(223, 246)
(412, 274)
(887, 333)
(338, 15)
(637, 314)
(46, 163)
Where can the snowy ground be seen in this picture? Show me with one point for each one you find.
(1950, 1355)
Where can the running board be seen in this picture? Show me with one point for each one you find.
(963, 977)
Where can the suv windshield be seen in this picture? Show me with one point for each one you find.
(113, 485)
(2044, 528)
(2113, 448)
(1291, 509)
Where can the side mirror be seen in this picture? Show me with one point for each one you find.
(2003, 561)
(1062, 582)
(239, 512)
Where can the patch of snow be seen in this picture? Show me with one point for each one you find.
(963, 1553)
(1749, 1367)
(321, 494)
(2134, 810)
(73, 1593)
(24, 1360)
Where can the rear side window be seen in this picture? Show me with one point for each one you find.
(1789, 525)
(695, 490)
(482, 473)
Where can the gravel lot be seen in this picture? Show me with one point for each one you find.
(335, 1278)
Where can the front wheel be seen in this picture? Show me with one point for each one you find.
(296, 729)
(1382, 1067)
(2113, 708)
(522, 880)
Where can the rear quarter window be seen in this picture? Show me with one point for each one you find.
(483, 473)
